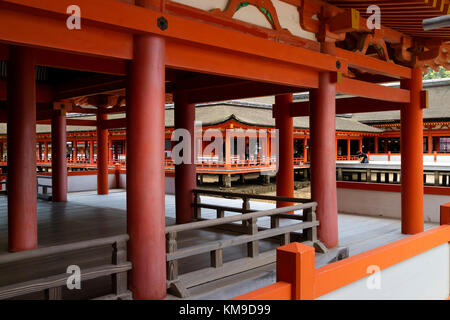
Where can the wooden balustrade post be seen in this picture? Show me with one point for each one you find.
(245, 209)
(253, 246)
(311, 233)
(340, 176)
(436, 178)
(197, 209)
(220, 213)
(274, 222)
(171, 247)
(217, 258)
(119, 280)
(53, 293)
(295, 265)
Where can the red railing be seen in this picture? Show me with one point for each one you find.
(298, 279)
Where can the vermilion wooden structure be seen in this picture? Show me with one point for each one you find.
(153, 47)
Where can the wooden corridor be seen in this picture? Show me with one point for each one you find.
(88, 216)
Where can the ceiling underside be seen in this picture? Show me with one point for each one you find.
(405, 16)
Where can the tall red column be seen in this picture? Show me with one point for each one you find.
(285, 125)
(376, 144)
(430, 142)
(102, 154)
(412, 157)
(91, 151)
(21, 93)
(323, 158)
(185, 176)
(59, 157)
(305, 150)
(145, 168)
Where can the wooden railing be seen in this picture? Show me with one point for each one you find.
(298, 279)
(52, 285)
(347, 158)
(44, 195)
(247, 233)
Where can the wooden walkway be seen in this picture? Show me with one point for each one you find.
(88, 216)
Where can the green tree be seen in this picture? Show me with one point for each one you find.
(441, 74)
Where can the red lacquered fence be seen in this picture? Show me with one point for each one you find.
(298, 279)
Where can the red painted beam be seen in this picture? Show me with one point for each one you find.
(373, 65)
(372, 91)
(49, 32)
(79, 62)
(114, 123)
(121, 18)
(348, 105)
(44, 93)
(185, 56)
(239, 90)
(64, 60)
(74, 122)
(88, 87)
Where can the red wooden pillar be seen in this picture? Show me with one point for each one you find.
(376, 145)
(102, 154)
(430, 142)
(59, 157)
(185, 176)
(74, 151)
(46, 152)
(412, 157)
(145, 169)
(39, 154)
(285, 125)
(91, 151)
(110, 152)
(348, 148)
(323, 159)
(22, 187)
(305, 149)
(227, 155)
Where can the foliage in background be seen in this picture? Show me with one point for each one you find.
(442, 73)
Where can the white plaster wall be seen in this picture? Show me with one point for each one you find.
(287, 15)
(412, 279)
(426, 158)
(169, 183)
(385, 204)
(88, 182)
(377, 157)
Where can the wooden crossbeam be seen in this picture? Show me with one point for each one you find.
(348, 105)
(372, 91)
(44, 92)
(114, 123)
(374, 65)
(239, 91)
